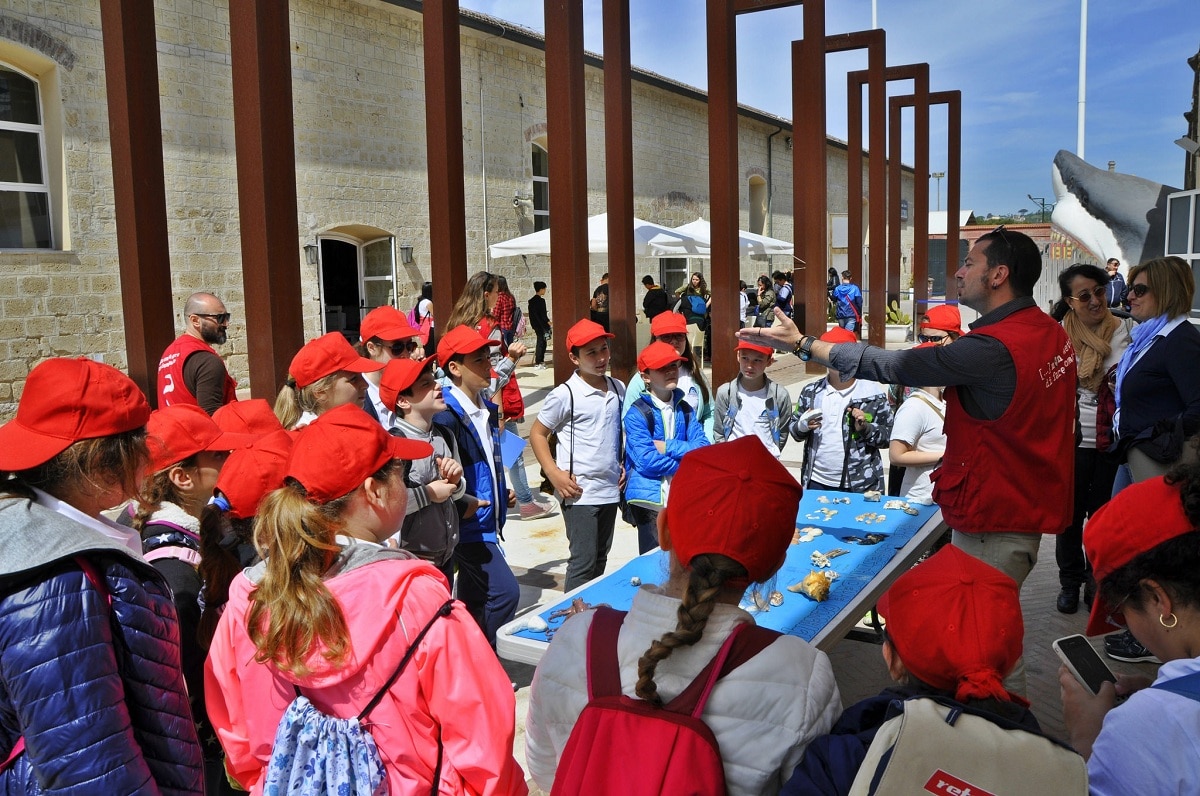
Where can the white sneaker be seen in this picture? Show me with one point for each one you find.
(534, 510)
(539, 367)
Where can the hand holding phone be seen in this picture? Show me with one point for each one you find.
(1085, 663)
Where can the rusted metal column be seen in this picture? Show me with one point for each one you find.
(854, 173)
(566, 126)
(893, 203)
(260, 40)
(443, 137)
(810, 179)
(874, 42)
(135, 133)
(920, 103)
(953, 100)
(618, 152)
(723, 184)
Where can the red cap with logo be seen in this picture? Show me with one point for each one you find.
(944, 318)
(386, 323)
(335, 453)
(665, 323)
(253, 416)
(735, 499)
(250, 473)
(325, 356)
(461, 340)
(745, 345)
(956, 624)
(65, 401)
(1137, 519)
(658, 355)
(839, 335)
(176, 432)
(398, 375)
(584, 332)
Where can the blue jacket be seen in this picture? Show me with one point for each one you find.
(99, 698)
(848, 300)
(486, 524)
(645, 467)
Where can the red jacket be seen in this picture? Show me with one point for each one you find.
(171, 387)
(512, 405)
(1015, 473)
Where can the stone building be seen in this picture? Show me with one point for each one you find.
(362, 227)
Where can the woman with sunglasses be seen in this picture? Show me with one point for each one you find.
(385, 334)
(475, 308)
(1099, 339)
(1144, 547)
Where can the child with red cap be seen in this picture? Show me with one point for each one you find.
(94, 700)
(843, 424)
(659, 430)
(728, 523)
(1144, 548)
(385, 334)
(325, 373)
(331, 612)
(954, 631)
(752, 403)
(585, 413)
(671, 328)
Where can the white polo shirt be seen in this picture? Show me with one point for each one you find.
(592, 437)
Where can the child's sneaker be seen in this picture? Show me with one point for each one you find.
(534, 510)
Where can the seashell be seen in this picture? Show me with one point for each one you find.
(814, 585)
(872, 495)
(822, 499)
(910, 510)
(534, 623)
(635, 581)
(895, 505)
(776, 599)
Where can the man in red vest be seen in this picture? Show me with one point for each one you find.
(1008, 472)
(191, 371)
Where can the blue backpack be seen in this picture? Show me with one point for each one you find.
(697, 305)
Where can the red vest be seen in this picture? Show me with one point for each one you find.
(512, 405)
(1015, 473)
(171, 388)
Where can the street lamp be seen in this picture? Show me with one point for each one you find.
(937, 175)
(1041, 203)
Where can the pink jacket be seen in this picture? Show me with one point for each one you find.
(454, 684)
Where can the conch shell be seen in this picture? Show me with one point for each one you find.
(815, 585)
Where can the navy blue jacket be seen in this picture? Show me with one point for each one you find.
(486, 524)
(95, 690)
(1162, 388)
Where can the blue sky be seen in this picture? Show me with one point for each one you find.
(1016, 62)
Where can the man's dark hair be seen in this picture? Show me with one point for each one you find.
(604, 275)
(847, 275)
(647, 280)
(1018, 251)
(778, 275)
(539, 286)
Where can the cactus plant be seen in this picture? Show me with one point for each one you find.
(896, 317)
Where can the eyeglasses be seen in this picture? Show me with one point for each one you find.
(1000, 231)
(219, 319)
(1139, 290)
(402, 347)
(1116, 616)
(931, 338)
(1087, 295)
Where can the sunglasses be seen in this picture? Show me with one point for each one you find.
(1139, 290)
(402, 347)
(1000, 231)
(1087, 295)
(931, 338)
(219, 318)
(1116, 616)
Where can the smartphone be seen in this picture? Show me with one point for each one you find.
(1084, 662)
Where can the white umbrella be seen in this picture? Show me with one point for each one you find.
(643, 233)
(700, 230)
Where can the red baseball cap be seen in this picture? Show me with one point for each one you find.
(584, 332)
(956, 624)
(398, 375)
(386, 323)
(658, 355)
(325, 356)
(744, 345)
(1139, 518)
(668, 323)
(461, 340)
(252, 416)
(839, 335)
(335, 453)
(65, 401)
(944, 318)
(250, 473)
(176, 432)
(735, 499)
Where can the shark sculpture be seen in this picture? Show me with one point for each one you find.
(1113, 215)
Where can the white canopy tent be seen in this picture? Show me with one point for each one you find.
(648, 240)
(700, 230)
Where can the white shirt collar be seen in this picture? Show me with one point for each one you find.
(102, 525)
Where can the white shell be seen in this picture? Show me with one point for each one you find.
(635, 581)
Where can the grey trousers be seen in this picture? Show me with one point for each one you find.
(589, 536)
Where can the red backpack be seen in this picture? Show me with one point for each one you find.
(622, 745)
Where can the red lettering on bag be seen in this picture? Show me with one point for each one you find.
(945, 784)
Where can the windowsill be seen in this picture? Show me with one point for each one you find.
(37, 251)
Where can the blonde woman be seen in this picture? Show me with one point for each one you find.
(324, 374)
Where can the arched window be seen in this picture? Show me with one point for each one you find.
(541, 188)
(25, 202)
(357, 274)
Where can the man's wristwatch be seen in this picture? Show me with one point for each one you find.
(803, 348)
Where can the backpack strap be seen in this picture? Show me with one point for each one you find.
(746, 641)
(603, 668)
(1188, 686)
(444, 610)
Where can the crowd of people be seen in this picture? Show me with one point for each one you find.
(229, 595)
